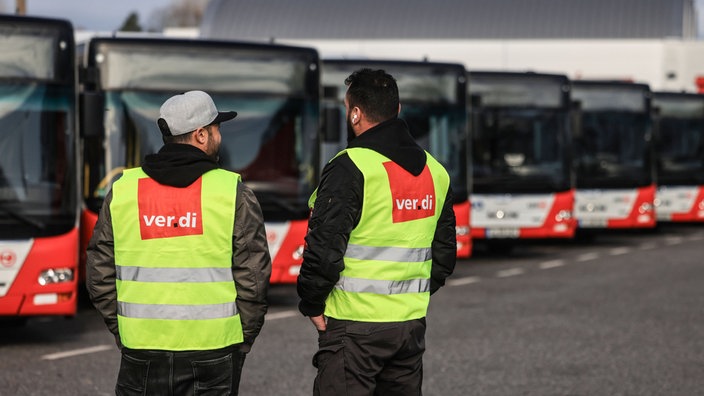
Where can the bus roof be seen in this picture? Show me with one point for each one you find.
(199, 43)
(625, 85)
(492, 74)
(148, 63)
(396, 63)
(59, 24)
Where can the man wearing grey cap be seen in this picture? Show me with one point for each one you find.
(178, 265)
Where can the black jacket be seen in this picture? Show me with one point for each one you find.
(179, 165)
(337, 211)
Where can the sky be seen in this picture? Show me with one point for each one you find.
(98, 15)
(108, 15)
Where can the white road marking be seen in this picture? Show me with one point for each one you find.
(77, 352)
(695, 237)
(101, 348)
(587, 257)
(648, 246)
(510, 272)
(619, 251)
(463, 281)
(671, 241)
(552, 264)
(281, 315)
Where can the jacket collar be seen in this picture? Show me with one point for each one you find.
(393, 140)
(178, 165)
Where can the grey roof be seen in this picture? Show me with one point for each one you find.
(448, 19)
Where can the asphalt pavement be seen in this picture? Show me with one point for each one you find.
(620, 314)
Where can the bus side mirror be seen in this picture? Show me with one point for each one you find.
(92, 113)
(332, 116)
(656, 120)
(655, 113)
(475, 106)
(576, 119)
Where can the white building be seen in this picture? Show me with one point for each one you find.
(650, 41)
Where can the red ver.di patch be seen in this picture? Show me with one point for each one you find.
(166, 212)
(413, 197)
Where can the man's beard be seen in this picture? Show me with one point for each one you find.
(214, 153)
(213, 149)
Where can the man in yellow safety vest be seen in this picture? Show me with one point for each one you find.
(381, 240)
(178, 265)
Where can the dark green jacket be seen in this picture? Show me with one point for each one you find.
(179, 165)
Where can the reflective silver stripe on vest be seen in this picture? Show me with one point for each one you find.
(176, 312)
(406, 255)
(386, 287)
(181, 275)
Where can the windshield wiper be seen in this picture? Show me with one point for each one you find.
(23, 218)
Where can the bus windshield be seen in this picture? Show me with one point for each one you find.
(613, 150)
(266, 143)
(681, 140)
(521, 139)
(271, 143)
(37, 146)
(521, 150)
(613, 144)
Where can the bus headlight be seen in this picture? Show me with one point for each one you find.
(461, 230)
(645, 207)
(298, 253)
(55, 275)
(563, 215)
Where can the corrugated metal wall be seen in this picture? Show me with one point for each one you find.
(449, 19)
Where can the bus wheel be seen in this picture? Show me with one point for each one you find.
(500, 247)
(12, 322)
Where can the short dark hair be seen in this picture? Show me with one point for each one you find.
(375, 92)
(184, 138)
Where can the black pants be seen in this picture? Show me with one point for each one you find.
(144, 372)
(362, 358)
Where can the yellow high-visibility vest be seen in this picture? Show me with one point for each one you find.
(173, 257)
(388, 258)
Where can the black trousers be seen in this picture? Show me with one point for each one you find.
(362, 358)
(189, 373)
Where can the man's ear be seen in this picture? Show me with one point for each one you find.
(201, 135)
(356, 114)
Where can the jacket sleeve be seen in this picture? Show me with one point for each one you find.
(251, 264)
(336, 211)
(444, 246)
(100, 268)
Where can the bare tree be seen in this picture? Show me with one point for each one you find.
(181, 13)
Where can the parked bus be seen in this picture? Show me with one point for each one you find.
(39, 202)
(273, 143)
(521, 152)
(680, 156)
(433, 104)
(614, 155)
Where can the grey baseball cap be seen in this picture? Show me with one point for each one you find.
(189, 111)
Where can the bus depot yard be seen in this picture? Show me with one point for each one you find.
(619, 314)
(579, 205)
